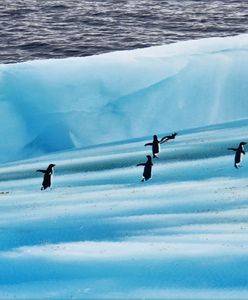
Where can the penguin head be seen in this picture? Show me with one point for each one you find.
(149, 157)
(155, 137)
(51, 166)
(242, 144)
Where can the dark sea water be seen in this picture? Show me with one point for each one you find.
(35, 29)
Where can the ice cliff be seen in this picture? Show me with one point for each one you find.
(52, 105)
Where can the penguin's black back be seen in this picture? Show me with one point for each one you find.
(155, 147)
(148, 168)
(238, 155)
(47, 176)
(46, 180)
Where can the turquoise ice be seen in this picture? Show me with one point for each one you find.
(52, 105)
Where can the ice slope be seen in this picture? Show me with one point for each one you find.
(100, 233)
(52, 105)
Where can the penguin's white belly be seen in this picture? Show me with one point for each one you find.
(241, 155)
(51, 179)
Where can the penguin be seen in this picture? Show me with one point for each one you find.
(156, 143)
(238, 155)
(47, 180)
(168, 137)
(155, 146)
(147, 174)
(4, 193)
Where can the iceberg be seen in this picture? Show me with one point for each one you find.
(100, 232)
(54, 105)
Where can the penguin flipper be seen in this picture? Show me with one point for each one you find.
(233, 149)
(42, 171)
(164, 139)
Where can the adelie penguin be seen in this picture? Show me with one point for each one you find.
(238, 155)
(147, 174)
(47, 179)
(168, 138)
(156, 143)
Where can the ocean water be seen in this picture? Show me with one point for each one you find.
(37, 29)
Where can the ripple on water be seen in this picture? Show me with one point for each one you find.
(47, 29)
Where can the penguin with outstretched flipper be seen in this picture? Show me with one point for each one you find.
(156, 143)
(155, 146)
(147, 174)
(168, 137)
(47, 179)
(238, 155)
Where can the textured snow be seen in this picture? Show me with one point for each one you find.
(101, 233)
(53, 105)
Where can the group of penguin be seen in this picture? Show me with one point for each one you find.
(147, 173)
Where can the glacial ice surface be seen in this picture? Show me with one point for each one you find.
(101, 233)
